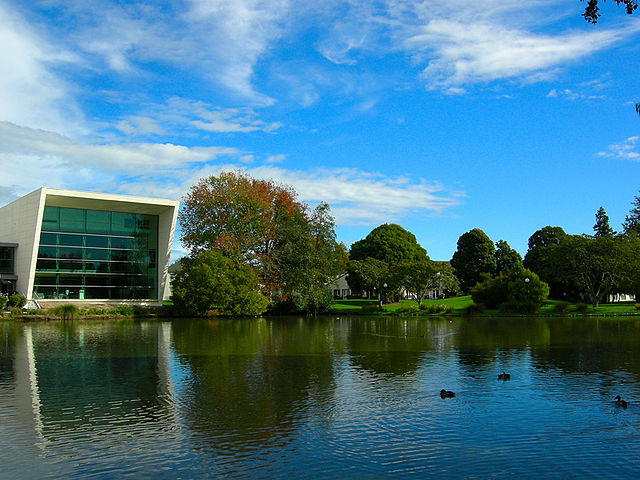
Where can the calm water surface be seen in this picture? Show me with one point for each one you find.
(320, 398)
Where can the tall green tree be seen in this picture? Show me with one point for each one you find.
(507, 259)
(389, 243)
(602, 227)
(631, 223)
(540, 259)
(474, 256)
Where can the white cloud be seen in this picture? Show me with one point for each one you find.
(468, 53)
(167, 170)
(30, 93)
(48, 158)
(624, 151)
(358, 197)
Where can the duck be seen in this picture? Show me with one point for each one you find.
(620, 402)
(504, 376)
(447, 394)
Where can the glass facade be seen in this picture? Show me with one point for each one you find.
(6, 259)
(95, 254)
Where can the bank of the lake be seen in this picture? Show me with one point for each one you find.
(456, 306)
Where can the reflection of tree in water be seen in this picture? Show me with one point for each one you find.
(9, 333)
(480, 340)
(580, 345)
(252, 378)
(392, 346)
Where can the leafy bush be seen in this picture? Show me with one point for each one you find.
(15, 311)
(65, 312)
(519, 291)
(3, 301)
(124, 310)
(17, 301)
(561, 308)
(423, 306)
(441, 308)
(474, 309)
(514, 306)
(582, 307)
(637, 306)
(407, 309)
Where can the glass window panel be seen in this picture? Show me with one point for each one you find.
(98, 221)
(122, 243)
(96, 254)
(48, 239)
(97, 280)
(70, 280)
(120, 255)
(71, 240)
(69, 252)
(97, 267)
(46, 265)
(72, 220)
(123, 223)
(96, 241)
(97, 293)
(47, 252)
(50, 219)
(70, 265)
(6, 259)
(46, 292)
(45, 279)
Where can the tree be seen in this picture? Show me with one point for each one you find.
(475, 255)
(631, 223)
(592, 264)
(209, 281)
(507, 259)
(629, 279)
(519, 291)
(417, 278)
(260, 224)
(592, 11)
(540, 259)
(389, 243)
(369, 275)
(602, 227)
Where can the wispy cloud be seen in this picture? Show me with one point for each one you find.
(625, 150)
(30, 93)
(167, 170)
(469, 53)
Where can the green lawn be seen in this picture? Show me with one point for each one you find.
(459, 303)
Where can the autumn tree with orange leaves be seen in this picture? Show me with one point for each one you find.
(262, 224)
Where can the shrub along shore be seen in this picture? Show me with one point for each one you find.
(455, 306)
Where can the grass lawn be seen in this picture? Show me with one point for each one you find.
(459, 303)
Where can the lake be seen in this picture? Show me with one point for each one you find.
(321, 397)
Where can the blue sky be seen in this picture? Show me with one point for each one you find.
(441, 116)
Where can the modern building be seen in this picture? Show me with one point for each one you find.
(83, 247)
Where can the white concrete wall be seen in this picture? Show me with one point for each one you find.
(20, 223)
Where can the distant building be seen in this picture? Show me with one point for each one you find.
(74, 247)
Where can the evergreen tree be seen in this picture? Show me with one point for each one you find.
(632, 221)
(602, 227)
